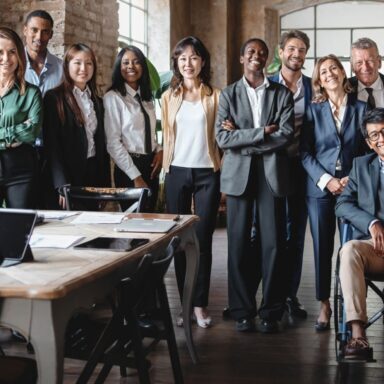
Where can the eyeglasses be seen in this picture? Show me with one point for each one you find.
(374, 136)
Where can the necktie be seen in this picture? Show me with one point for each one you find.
(371, 100)
(147, 126)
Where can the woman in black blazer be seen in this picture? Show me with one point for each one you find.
(73, 127)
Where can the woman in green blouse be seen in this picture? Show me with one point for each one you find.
(20, 123)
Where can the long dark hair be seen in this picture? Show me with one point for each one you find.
(65, 89)
(9, 34)
(118, 82)
(200, 50)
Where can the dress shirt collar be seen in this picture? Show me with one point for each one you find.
(342, 106)
(79, 92)
(264, 85)
(299, 82)
(49, 59)
(131, 91)
(377, 85)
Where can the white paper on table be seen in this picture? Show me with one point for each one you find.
(56, 215)
(98, 218)
(53, 241)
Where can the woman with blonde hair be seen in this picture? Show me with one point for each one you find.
(330, 140)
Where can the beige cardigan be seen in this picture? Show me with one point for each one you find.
(170, 104)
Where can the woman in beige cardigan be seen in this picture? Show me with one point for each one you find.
(191, 157)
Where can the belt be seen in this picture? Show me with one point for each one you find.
(137, 155)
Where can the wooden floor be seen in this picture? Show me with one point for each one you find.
(297, 355)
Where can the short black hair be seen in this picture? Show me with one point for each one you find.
(253, 40)
(39, 13)
(374, 116)
(294, 34)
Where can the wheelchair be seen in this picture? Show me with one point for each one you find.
(342, 329)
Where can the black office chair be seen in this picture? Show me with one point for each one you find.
(342, 329)
(138, 197)
(123, 335)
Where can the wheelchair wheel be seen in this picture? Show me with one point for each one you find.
(342, 329)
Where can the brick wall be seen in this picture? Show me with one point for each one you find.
(93, 22)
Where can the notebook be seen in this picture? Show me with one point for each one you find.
(145, 225)
(16, 226)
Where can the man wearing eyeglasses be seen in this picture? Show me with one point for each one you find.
(362, 204)
(368, 82)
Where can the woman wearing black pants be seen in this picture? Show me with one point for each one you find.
(130, 125)
(191, 157)
(20, 123)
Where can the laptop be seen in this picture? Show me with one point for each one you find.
(16, 226)
(145, 225)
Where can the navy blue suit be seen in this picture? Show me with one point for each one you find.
(321, 147)
(295, 209)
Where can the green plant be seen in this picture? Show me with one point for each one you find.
(276, 62)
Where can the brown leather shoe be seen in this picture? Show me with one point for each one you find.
(357, 349)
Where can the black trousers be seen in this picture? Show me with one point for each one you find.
(265, 259)
(143, 164)
(203, 186)
(18, 177)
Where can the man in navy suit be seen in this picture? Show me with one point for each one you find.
(362, 204)
(254, 125)
(368, 82)
(294, 46)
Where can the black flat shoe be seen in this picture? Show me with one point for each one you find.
(295, 308)
(245, 325)
(268, 326)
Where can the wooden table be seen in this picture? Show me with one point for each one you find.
(38, 298)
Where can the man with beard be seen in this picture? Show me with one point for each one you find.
(368, 82)
(254, 125)
(294, 46)
(46, 71)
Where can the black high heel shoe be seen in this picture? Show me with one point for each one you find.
(321, 326)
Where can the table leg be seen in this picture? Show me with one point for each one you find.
(191, 247)
(47, 337)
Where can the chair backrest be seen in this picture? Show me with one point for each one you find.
(149, 274)
(130, 289)
(160, 266)
(137, 196)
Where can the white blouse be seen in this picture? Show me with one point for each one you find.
(191, 146)
(125, 128)
(85, 103)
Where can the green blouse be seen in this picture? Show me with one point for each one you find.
(21, 116)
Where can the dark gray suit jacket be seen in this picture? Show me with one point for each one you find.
(239, 145)
(359, 201)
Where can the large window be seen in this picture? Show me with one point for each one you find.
(332, 27)
(133, 18)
